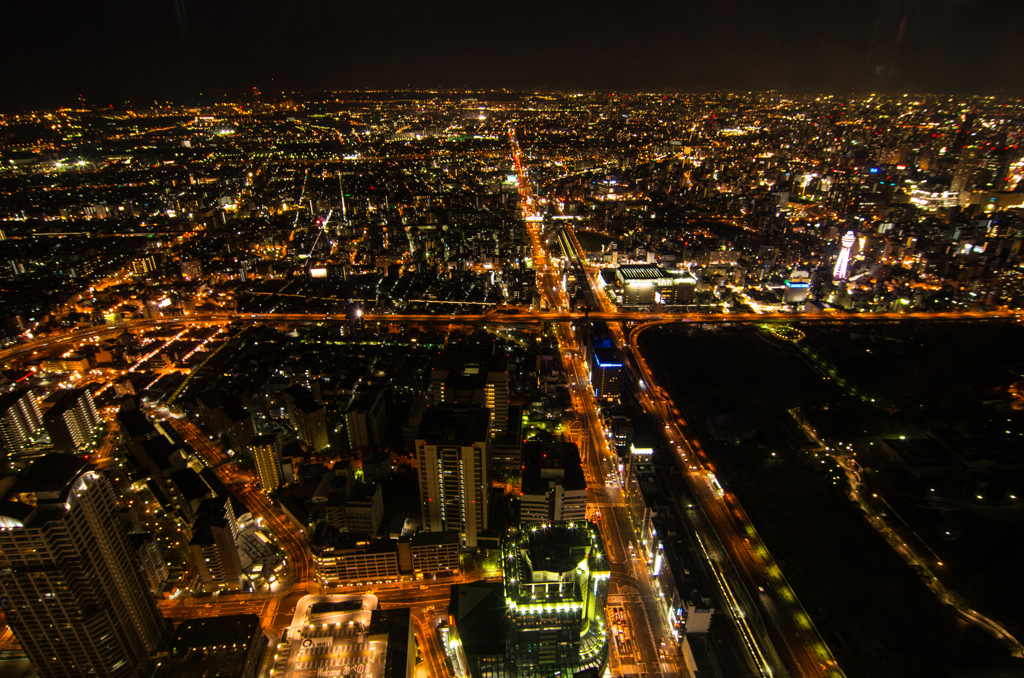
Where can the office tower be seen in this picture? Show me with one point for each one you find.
(843, 262)
(556, 577)
(550, 609)
(76, 599)
(452, 450)
(355, 507)
(364, 421)
(71, 418)
(213, 545)
(473, 375)
(307, 417)
(554, 487)
(266, 451)
(604, 361)
(20, 420)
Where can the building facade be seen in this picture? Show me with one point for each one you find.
(452, 451)
(76, 599)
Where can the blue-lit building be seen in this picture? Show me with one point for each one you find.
(798, 288)
(605, 363)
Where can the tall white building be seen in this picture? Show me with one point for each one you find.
(70, 588)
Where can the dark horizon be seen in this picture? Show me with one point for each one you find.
(173, 50)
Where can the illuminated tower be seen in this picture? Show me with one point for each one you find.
(843, 262)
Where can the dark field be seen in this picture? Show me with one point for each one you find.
(874, 612)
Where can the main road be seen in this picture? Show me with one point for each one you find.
(630, 586)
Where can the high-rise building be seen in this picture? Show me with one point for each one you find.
(213, 545)
(266, 451)
(364, 421)
(71, 418)
(76, 599)
(307, 416)
(20, 420)
(550, 609)
(452, 451)
(473, 375)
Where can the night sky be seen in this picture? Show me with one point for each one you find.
(140, 50)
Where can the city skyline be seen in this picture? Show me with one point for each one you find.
(520, 383)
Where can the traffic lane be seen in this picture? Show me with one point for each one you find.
(798, 642)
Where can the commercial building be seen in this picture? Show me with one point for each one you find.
(71, 418)
(552, 614)
(798, 288)
(341, 558)
(431, 553)
(346, 635)
(71, 591)
(356, 507)
(452, 451)
(228, 647)
(307, 417)
(647, 284)
(554, 486)
(20, 420)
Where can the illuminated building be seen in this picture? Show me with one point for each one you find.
(338, 636)
(20, 420)
(798, 288)
(76, 599)
(71, 418)
(604, 361)
(553, 612)
(452, 451)
(647, 284)
(144, 265)
(266, 451)
(191, 269)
